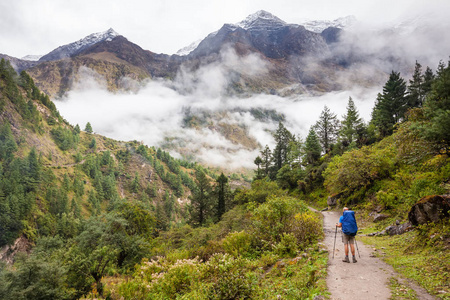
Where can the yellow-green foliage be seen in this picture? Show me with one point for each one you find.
(395, 172)
(273, 217)
(261, 189)
(224, 276)
(306, 227)
(237, 243)
(358, 168)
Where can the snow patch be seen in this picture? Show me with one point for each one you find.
(318, 26)
(32, 57)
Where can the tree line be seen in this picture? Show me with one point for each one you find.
(295, 162)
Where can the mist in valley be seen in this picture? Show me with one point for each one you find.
(195, 117)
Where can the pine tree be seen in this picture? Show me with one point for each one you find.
(416, 93)
(312, 148)
(221, 189)
(266, 156)
(428, 78)
(282, 138)
(390, 106)
(93, 144)
(88, 128)
(350, 123)
(327, 128)
(201, 205)
(258, 161)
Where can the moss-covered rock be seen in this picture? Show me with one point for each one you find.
(430, 209)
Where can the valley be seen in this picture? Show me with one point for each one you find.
(127, 174)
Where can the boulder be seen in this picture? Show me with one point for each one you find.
(332, 200)
(430, 209)
(379, 217)
(398, 229)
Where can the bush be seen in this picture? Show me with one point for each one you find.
(306, 227)
(238, 244)
(358, 169)
(227, 277)
(271, 219)
(287, 246)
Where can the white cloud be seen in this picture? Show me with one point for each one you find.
(164, 26)
(155, 113)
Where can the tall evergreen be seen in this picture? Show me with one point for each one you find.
(258, 161)
(313, 149)
(282, 139)
(350, 123)
(327, 128)
(390, 106)
(416, 93)
(221, 189)
(428, 78)
(266, 157)
(201, 208)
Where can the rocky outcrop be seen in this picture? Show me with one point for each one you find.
(379, 217)
(430, 209)
(398, 229)
(9, 252)
(332, 200)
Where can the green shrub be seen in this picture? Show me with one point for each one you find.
(271, 219)
(227, 277)
(238, 244)
(306, 227)
(287, 246)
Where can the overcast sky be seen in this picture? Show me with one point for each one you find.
(165, 26)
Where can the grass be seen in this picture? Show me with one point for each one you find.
(422, 255)
(401, 291)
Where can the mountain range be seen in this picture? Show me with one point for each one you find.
(296, 58)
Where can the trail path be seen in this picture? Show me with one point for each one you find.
(367, 279)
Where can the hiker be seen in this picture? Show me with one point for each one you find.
(349, 228)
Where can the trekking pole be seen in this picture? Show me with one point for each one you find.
(335, 232)
(357, 248)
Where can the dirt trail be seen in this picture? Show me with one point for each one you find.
(366, 279)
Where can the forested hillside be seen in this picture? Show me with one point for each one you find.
(98, 218)
(77, 207)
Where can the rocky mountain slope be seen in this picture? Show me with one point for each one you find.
(291, 55)
(315, 56)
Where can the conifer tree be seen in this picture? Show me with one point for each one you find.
(258, 161)
(282, 139)
(201, 207)
(350, 123)
(327, 128)
(416, 93)
(88, 128)
(428, 78)
(390, 106)
(221, 191)
(312, 148)
(266, 156)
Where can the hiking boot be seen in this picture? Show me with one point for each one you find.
(354, 259)
(346, 259)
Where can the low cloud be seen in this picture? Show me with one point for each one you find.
(157, 113)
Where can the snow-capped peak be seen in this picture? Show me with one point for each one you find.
(320, 25)
(188, 49)
(32, 57)
(95, 38)
(259, 19)
(78, 46)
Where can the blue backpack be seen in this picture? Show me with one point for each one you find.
(349, 226)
